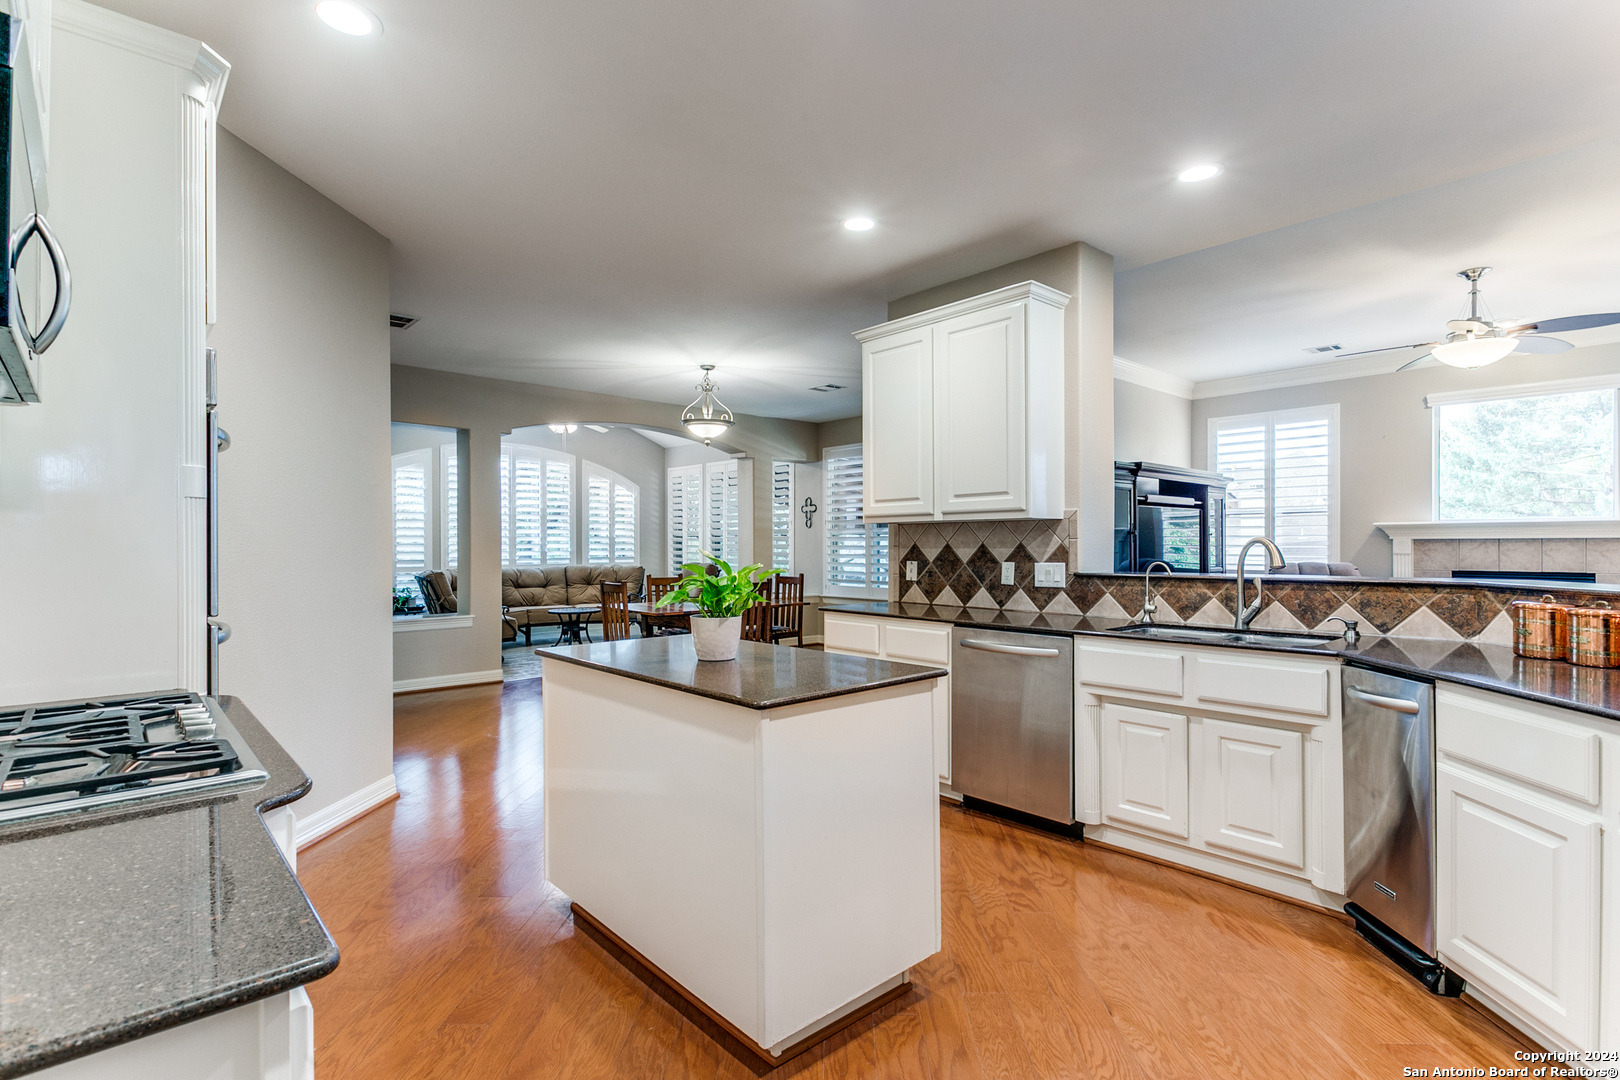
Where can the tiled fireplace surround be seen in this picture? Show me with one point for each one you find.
(960, 563)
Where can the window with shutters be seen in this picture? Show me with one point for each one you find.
(703, 512)
(450, 490)
(1284, 473)
(782, 515)
(857, 553)
(1500, 455)
(537, 493)
(610, 517)
(411, 512)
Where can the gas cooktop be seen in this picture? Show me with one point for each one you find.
(80, 755)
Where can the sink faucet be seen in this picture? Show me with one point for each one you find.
(1245, 615)
(1148, 606)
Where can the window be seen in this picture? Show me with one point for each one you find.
(782, 515)
(610, 517)
(450, 527)
(410, 518)
(1284, 473)
(537, 493)
(1525, 455)
(703, 512)
(857, 553)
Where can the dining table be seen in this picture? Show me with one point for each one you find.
(670, 617)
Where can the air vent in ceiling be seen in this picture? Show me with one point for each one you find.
(827, 388)
(1324, 348)
(400, 322)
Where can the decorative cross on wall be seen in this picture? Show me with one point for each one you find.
(808, 510)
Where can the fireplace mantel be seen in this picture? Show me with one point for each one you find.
(1402, 533)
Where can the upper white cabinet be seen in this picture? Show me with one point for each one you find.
(963, 409)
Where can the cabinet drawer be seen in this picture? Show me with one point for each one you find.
(851, 635)
(1557, 755)
(1284, 687)
(1131, 669)
(917, 642)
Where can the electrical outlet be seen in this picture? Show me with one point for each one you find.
(1049, 575)
(1006, 573)
(911, 569)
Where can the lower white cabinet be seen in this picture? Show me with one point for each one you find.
(1144, 762)
(906, 641)
(1254, 791)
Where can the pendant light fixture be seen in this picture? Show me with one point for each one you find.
(706, 417)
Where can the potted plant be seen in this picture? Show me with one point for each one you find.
(721, 597)
(403, 599)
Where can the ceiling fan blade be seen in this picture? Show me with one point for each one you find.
(1574, 322)
(1536, 343)
(1392, 348)
(1414, 363)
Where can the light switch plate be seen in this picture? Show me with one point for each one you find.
(1049, 575)
(911, 569)
(1006, 573)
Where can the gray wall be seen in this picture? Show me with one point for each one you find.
(1151, 425)
(488, 409)
(304, 523)
(1385, 437)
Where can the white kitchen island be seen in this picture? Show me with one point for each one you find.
(763, 834)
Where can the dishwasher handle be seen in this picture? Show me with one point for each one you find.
(1393, 704)
(1015, 650)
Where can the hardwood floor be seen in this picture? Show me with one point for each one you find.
(1060, 960)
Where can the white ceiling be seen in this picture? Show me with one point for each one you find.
(603, 196)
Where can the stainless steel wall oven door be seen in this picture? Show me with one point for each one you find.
(1012, 720)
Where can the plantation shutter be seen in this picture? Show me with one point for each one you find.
(452, 485)
(857, 553)
(1240, 455)
(685, 515)
(1281, 470)
(625, 496)
(506, 509)
(782, 515)
(537, 518)
(720, 510)
(528, 510)
(598, 522)
(559, 512)
(410, 518)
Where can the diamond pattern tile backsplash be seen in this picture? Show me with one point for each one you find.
(960, 564)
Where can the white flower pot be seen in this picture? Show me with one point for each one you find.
(716, 639)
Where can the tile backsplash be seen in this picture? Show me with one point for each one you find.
(960, 564)
(1438, 558)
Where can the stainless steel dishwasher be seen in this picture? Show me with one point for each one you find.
(1389, 819)
(1012, 720)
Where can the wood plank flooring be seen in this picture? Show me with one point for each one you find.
(1060, 960)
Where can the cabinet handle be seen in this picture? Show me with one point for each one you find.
(36, 225)
(1394, 704)
(1015, 650)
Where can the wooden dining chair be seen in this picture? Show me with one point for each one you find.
(657, 589)
(615, 611)
(757, 623)
(787, 609)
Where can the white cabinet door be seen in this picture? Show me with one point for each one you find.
(897, 390)
(980, 447)
(1254, 791)
(1518, 888)
(1144, 768)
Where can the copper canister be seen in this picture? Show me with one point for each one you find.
(1540, 628)
(1594, 636)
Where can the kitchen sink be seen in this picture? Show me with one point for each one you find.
(1217, 635)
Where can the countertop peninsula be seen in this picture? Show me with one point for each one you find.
(762, 677)
(1486, 667)
(122, 923)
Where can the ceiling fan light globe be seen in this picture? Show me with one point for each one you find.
(1473, 352)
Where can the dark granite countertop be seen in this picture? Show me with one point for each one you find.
(1487, 667)
(119, 924)
(762, 676)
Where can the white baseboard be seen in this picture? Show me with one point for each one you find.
(813, 639)
(438, 682)
(345, 810)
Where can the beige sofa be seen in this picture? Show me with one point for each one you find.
(529, 593)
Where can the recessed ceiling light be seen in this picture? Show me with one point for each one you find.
(1200, 172)
(858, 224)
(348, 17)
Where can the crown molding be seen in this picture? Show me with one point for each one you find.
(1152, 378)
(1027, 290)
(1354, 368)
(109, 27)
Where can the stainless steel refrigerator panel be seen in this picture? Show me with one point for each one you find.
(1389, 801)
(1012, 720)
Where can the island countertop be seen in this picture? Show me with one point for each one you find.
(124, 922)
(762, 676)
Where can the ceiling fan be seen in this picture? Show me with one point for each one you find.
(1476, 341)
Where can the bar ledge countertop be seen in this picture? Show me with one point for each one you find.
(123, 923)
(1485, 667)
(762, 676)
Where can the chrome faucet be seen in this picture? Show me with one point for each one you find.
(1148, 606)
(1245, 615)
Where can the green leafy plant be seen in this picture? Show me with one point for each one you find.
(722, 595)
(403, 598)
